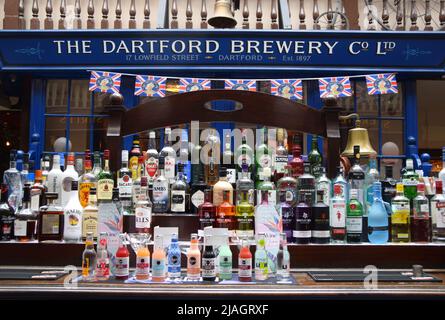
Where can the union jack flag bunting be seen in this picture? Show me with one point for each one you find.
(108, 82)
(192, 84)
(248, 85)
(286, 88)
(335, 87)
(150, 86)
(381, 83)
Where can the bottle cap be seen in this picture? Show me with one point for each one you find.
(409, 164)
(38, 175)
(106, 153)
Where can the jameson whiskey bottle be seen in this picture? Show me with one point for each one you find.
(105, 180)
(135, 153)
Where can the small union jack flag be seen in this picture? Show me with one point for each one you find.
(335, 87)
(108, 82)
(286, 88)
(248, 85)
(192, 84)
(381, 83)
(150, 86)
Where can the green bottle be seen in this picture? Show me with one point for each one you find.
(354, 218)
(225, 262)
(269, 186)
(245, 213)
(410, 180)
(315, 158)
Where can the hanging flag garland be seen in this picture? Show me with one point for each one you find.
(192, 84)
(233, 84)
(104, 81)
(335, 87)
(381, 83)
(150, 86)
(291, 89)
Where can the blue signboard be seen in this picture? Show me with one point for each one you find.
(174, 50)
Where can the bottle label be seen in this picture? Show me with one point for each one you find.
(231, 176)
(326, 188)
(20, 228)
(143, 217)
(225, 266)
(102, 268)
(400, 214)
(169, 167)
(151, 166)
(438, 212)
(178, 200)
(281, 163)
(261, 267)
(125, 185)
(337, 215)
(35, 200)
(198, 198)
(160, 194)
(208, 267)
(291, 195)
(73, 226)
(174, 263)
(342, 188)
(122, 267)
(89, 223)
(158, 267)
(302, 233)
(245, 267)
(66, 183)
(84, 192)
(193, 266)
(271, 199)
(142, 265)
(354, 225)
(321, 234)
(105, 189)
(50, 224)
(410, 182)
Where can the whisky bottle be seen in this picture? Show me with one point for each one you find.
(105, 181)
(26, 220)
(90, 216)
(86, 181)
(135, 153)
(51, 220)
(143, 209)
(7, 216)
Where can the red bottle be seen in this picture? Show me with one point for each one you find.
(207, 211)
(122, 266)
(245, 263)
(297, 162)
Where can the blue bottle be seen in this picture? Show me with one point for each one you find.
(378, 218)
(174, 259)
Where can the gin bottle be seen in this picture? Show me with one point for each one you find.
(287, 216)
(244, 183)
(357, 176)
(410, 180)
(263, 157)
(267, 185)
(297, 162)
(341, 182)
(12, 179)
(306, 185)
(281, 157)
(288, 185)
(245, 213)
(6, 216)
(303, 220)
(421, 224)
(388, 185)
(400, 216)
(338, 215)
(169, 155)
(178, 193)
(320, 216)
(152, 159)
(323, 183)
(207, 211)
(438, 213)
(378, 218)
(244, 154)
(161, 190)
(354, 218)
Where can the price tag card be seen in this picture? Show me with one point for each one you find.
(165, 234)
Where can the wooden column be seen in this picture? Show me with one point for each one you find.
(11, 19)
(351, 10)
(332, 111)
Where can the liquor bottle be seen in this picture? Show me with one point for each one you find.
(354, 218)
(442, 172)
(45, 165)
(324, 184)
(178, 199)
(227, 160)
(142, 261)
(261, 260)
(421, 224)
(267, 185)
(438, 213)
(245, 213)
(208, 261)
(158, 261)
(244, 154)
(315, 158)
(26, 220)
(388, 185)
(174, 259)
(102, 270)
(86, 181)
(97, 166)
(303, 220)
(320, 217)
(296, 162)
(281, 157)
(135, 153)
(211, 170)
(197, 165)
(287, 215)
(341, 182)
(68, 176)
(12, 179)
(169, 155)
(125, 184)
(378, 218)
(136, 188)
(245, 262)
(357, 177)
(7, 216)
(306, 184)
(207, 211)
(400, 216)
(143, 209)
(288, 185)
(225, 213)
(73, 215)
(211, 167)
(337, 215)
(90, 216)
(222, 185)
(54, 183)
(372, 175)
(225, 261)
(88, 259)
(197, 194)
(263, 157)
(184, 156)
(51, 220)
(283, 260)
(244, 183)
(161, 190)
(37, 192)
(152, 159)
(62, 161)
(105, 181)
(78, 165)
(410, 180)
(193, 259)
(122, 261)
(25, 169)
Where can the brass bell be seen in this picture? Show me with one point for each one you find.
(223, 16)
(358, 137)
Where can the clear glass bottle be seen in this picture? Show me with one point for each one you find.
(136, 181)
(7, 216)
(378, 218)
(197, 194)
(125, 184)
(227, 159)
(90, 216)
(88, 258)
(337, 215)
(400, 216)
(289, 186)
(51, 220)
(169, 155)
(261, 260)
(324, 184)
(263, 157)
(174, 259)
(105, 180)
(283, 260)
(26, 220)
(354, 218)
(68, 176)
(315, 158)
(178, 195)
(296, 162)
(281, 157)
(45, 165)
(372, 175)
(25, 169)
(225, 261)
(320, 217)
(244, 154)
(245, 183)
(357, 177)
(73, 216)
(245, 213)
(306, 185)
(86, 181)
(143, 209)
(193, 259)
(267, 185)
(161, 190)
(54, 183)
(389, 185)
(102, 270)
(420, 220)
(341, 182)
(97, 165)
(152, 159)
(410, 180)
(438, 213)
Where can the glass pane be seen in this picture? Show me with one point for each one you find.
(373, 131)
(392, 104)
(101, 99)
(367, 105)
(99, 133)
(393, 143)
(56, 96)
(55, 132)
(80, 97)
(79, 133)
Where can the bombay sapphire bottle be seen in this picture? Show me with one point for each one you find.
(378, 218)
